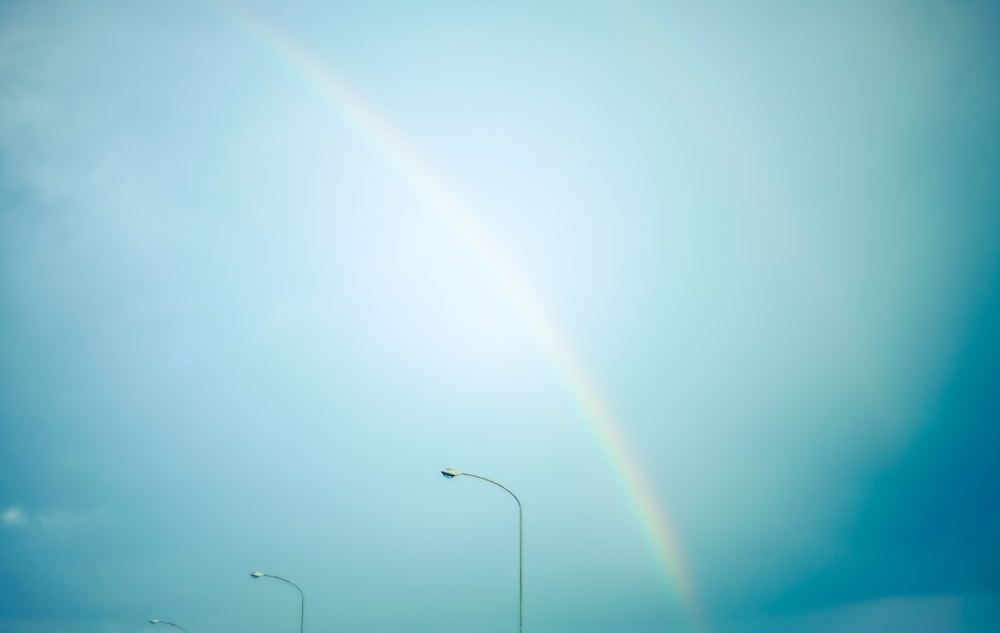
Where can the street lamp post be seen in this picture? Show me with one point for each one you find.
(451, 473)
(159, 621)
(302, 610)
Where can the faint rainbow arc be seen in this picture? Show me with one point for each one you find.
(569, 367)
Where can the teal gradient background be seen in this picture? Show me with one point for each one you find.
(235, 335)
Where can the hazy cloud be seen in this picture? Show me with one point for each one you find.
(55, 519)
(13, 516)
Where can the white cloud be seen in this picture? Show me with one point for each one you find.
(55, 519)
(13, 516)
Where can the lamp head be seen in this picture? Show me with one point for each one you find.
(450, 473)
(256, 574)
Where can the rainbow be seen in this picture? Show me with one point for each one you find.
(443, 202)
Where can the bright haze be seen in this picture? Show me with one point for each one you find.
(712, 287)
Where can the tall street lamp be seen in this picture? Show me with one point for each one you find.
(302, 611)
(159, 621)
(451, 473)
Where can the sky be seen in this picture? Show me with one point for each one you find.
(712, 287)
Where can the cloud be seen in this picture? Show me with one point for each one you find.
(55, 519)
(13, 516)
(949, 613)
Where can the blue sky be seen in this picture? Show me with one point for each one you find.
(239, 329)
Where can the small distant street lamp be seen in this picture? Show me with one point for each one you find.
(451, 473)
(302, 610)
(159, 621)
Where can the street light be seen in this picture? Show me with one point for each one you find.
(159, 621)
(302, 611)
(451, 473)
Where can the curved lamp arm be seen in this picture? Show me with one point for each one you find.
(302, 609)
(451, 473)
(159, 621)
